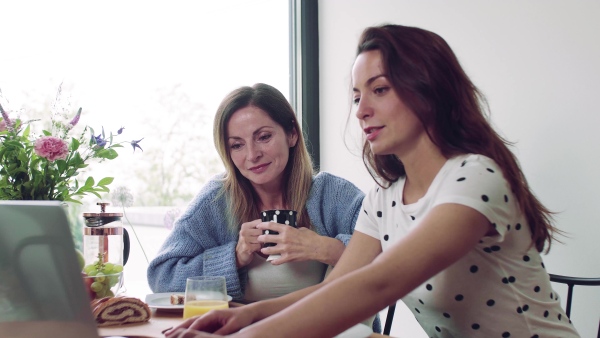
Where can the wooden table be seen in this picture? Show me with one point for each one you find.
(160, 321)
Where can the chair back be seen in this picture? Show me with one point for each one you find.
(389, 319)
(571, 282)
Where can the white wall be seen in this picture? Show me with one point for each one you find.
(538, 63)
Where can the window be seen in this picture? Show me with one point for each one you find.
(159, 70)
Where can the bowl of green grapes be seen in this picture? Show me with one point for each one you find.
(102, 279)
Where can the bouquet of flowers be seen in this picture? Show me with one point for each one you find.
(46, 167)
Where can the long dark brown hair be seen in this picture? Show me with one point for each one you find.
(297, 176)
(425, 73)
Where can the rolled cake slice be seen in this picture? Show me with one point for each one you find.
(177, 299)
(119, 310)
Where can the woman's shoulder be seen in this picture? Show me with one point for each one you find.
(474, 177)
(472, 160)
(209, 201)
(324, 177)
(211, 189)
(215, 183)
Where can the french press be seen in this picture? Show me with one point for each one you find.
(104, 237)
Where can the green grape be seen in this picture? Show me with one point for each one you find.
(100, 277)
(97, 286)
(113, 280)
(117, 268)
(108, 267)
(109, 294)
(101, 293)
(92, 272)
(88, 268)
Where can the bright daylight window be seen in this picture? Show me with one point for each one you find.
(159, 69)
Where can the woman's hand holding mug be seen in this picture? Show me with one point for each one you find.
(248, 243)
(290, 244)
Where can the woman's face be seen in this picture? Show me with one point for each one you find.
(258, 146)
(388, 124)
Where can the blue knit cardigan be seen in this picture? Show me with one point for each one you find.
(202, 245)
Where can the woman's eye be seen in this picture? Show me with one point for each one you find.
(264, 137)
(356, 100)
(381, 90)
(235, 146)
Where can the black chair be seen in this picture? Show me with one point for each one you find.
(571, 282)
(389, 319)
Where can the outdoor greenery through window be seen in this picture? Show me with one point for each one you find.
(156, 69)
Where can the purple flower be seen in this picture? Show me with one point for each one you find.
(51, 148)
(6, 121)
(75, 119)
(99, 140)
(120, 130)
(2, 125)
(135, 144)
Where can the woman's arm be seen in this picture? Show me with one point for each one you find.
(182, 256)
(199, 244)
(448, 233)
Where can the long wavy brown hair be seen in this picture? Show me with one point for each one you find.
(425, 73)
(297, 177)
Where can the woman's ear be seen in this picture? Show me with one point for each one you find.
(293, 138)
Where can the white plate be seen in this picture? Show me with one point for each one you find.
(357, 331)
(162, 301)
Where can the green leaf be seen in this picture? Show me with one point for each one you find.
(102, 188)
(26, 132)
(71, 172)
(109, 154)
(69, 199)
(89, 182)
(106, 181)
(75, 144)
(62, 165)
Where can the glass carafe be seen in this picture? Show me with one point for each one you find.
(104, 238)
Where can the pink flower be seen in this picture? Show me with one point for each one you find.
(2, 125)
(51, 148)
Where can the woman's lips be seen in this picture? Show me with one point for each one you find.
(372, 132)
(259, 168)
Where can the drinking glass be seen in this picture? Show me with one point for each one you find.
(204, 293)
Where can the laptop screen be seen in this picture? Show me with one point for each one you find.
(40, 278)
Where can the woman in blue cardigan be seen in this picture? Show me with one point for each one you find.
(267, 166)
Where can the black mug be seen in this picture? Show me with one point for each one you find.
(278, 216)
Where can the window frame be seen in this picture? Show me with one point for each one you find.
(304, 71)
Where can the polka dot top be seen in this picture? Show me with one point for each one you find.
(500, 288)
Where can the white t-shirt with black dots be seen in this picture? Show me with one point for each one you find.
(500, 288)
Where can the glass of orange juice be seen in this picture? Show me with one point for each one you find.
(204, 293)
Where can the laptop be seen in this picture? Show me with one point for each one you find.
(41, 290)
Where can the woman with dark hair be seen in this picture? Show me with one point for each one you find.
(452, 228)
(267, 167)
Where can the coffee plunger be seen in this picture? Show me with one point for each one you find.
(104, 237)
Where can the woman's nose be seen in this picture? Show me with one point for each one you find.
(363, 109)
(254, 152)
